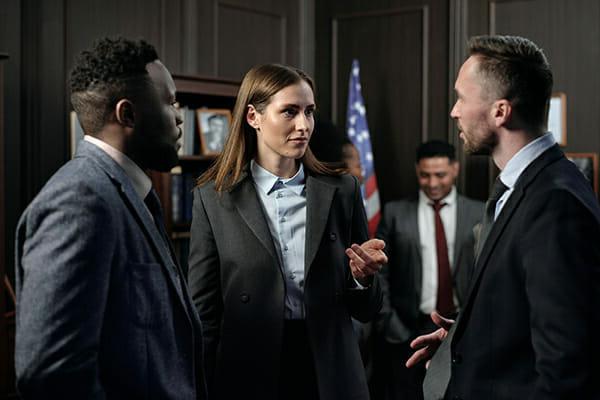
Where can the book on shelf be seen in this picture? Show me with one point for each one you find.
(176, 195)
(182, 185)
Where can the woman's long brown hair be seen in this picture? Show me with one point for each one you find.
(258, 86)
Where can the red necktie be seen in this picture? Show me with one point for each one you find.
(445, 300)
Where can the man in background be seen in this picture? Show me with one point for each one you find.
(529, 327)
(430, 246)
(102, 307)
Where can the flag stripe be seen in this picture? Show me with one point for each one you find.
(358, 132)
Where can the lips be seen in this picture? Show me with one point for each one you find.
(299, 141)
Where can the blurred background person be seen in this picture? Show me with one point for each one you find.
(430, 245)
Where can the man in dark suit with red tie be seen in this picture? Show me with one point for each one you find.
(529, 326)
(430, 246)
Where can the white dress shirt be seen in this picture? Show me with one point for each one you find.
(284, 204)
(141, 182)
(517, 164)
(426, 223)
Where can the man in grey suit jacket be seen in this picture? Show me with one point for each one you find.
(102, 307)
(411, 280)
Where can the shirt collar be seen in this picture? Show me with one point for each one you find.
(141, 183)
(517, 164)
(267, 182)
(450, 198)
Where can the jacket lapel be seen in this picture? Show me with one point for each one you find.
(137, 208)
(461, 233)
(412, 228)
(319, 196)
(245, 199)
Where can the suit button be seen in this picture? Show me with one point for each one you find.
(456, 359)
(332, 236)
(244, 297)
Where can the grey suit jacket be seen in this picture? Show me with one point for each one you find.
(238, 288)
(102, 310)
(401, 278)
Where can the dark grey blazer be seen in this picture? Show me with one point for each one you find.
(102, 310)
(401, 278)
(529, 327)
(238, 288)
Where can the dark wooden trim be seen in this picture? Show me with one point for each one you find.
(4, 340)
(205, 85)
(424, 10)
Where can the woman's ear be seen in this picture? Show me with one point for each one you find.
(253, 117)
(125, 113)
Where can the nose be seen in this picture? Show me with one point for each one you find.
(304, 122)
(454, 111)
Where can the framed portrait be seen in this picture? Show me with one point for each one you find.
(213, 127)
(557, 117)
(588, 165)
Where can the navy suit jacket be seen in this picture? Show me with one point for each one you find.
(102, 309)
(529, 327)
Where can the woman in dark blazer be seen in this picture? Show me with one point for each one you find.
(275, 269)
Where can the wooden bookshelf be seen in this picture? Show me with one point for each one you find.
(194, 92)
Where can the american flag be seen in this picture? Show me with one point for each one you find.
(358, 132)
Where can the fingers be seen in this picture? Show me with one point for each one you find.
(375, 244)
(357, 272)
(427, 345)
(417, 357)
(428, 340)
(366, 259)
(442, 322)
(361, 263)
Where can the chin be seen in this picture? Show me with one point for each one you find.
(165, 161)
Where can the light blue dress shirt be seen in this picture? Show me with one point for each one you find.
(517, 164)
(284, 204)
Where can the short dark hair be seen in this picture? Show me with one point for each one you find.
(104, 74)
(518, 71)
(436, 148)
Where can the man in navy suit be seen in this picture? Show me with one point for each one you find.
(528, 328)
(102, 307)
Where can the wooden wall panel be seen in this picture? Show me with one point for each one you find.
(238, 51)
(246, 34)
(569, 33)
(402, 47)
(395, 98)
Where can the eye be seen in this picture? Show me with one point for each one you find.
(289, 112)
(309, 111)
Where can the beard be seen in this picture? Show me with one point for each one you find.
(479, 146)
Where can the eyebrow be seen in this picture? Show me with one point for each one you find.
(292, 105)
